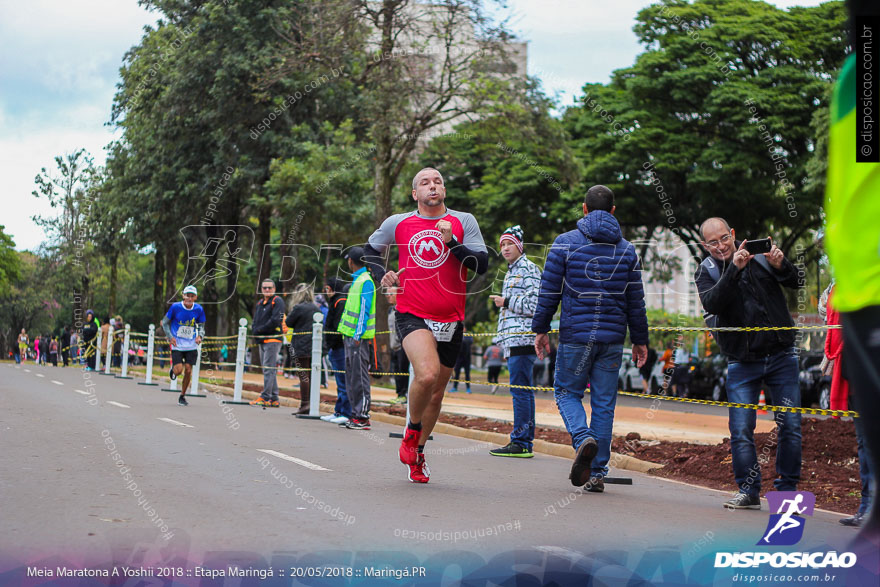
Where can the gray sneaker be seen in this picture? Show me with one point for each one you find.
(743, 501)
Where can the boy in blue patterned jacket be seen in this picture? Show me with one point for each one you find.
(517, 303)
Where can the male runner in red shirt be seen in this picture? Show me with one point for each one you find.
(437, 246)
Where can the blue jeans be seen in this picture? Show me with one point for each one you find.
(337, 363)
(523, 400)
(596, 364)
(779, 373)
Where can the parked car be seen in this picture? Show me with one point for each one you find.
(708, 378)
(628, 377)
(815, 387)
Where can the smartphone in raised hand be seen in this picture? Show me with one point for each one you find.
(759, 247)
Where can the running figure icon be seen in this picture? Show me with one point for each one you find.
(786, 521)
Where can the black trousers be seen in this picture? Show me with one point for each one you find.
(400, 364)
(861, 352)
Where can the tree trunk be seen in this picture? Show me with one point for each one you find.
(85, 283)
(158, 284)
(171, 255)
(287, 272)
(114, 272)
(264, 232)
(383, 183)
(208, 295)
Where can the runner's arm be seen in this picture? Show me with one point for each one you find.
(378, 244)
(472, 251)
(472, 259)
(374, 262)
(166, 327)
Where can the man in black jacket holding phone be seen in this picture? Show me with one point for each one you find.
(743, 289)
(268, 316)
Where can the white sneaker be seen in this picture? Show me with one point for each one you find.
(339, 420)
(328, 417)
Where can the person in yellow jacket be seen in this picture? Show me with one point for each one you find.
(852, 208)
(358, 328)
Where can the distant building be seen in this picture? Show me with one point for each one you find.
(669, 285)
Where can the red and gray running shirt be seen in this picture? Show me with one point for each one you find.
(433, 284)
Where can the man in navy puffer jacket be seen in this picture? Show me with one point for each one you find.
(597, 276)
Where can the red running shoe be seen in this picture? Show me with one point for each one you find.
(419, 472)
(409, 446)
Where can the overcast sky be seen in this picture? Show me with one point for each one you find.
(59, 65)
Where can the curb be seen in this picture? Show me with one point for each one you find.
(618, 461)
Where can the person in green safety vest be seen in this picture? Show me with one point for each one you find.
(358, 328)
(852, 237)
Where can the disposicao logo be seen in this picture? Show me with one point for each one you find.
(785, 528)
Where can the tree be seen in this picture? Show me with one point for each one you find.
(422, 67)
(191, 105)
(28, 302)
(10, 265)
(70, 188)
(714, 117)
(313, 195)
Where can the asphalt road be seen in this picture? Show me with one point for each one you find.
(205, 472)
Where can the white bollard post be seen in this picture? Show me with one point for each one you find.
(315, 382)
(109, 358)
(150, 343)
(194, 380)
(239, 364)
(172, 386)
(98, 352)
(125, 342)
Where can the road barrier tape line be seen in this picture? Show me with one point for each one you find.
(689, 400)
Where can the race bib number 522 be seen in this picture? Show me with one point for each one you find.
(442, 331)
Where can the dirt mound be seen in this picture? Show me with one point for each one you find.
(830, 465)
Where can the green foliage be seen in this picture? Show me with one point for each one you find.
(682, 107)
(10, 265)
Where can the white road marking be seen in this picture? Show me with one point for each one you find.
(57, 382)
(27, 370)
(81, 392)
(305, 464)
(112, 403)
(170, 421)
(40, 375)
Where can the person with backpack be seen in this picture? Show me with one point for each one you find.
(740, 289)
(299, 320)
(335, 295)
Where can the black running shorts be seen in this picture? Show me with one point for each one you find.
(185, 357)
(448, 351)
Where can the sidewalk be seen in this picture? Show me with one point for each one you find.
(651, 424)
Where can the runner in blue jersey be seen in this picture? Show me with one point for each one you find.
(184, 326)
